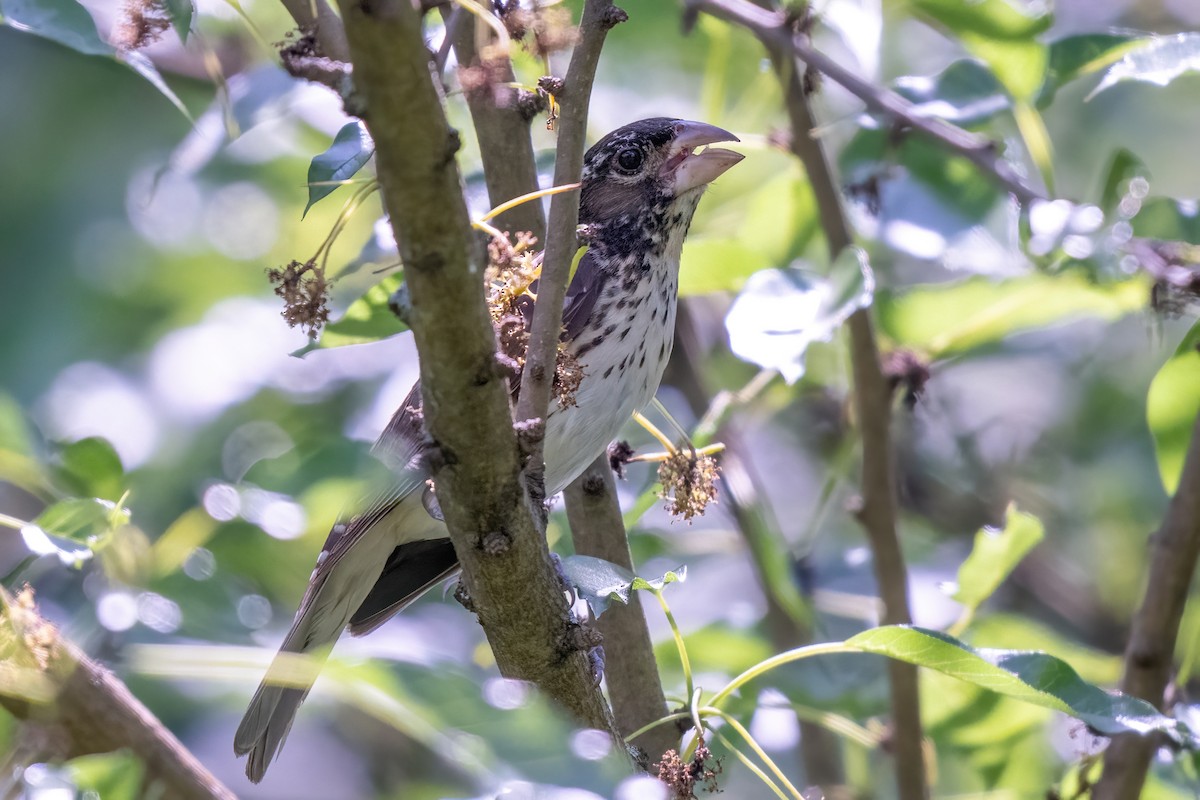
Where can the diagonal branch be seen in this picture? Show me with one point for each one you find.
(90, 710)
(561, 240)
(775, 32)
(318, 18)
(474, 452)
(1149, 655)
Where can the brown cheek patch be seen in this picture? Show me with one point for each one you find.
(610, 199)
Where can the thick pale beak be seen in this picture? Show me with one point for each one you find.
(689, 170)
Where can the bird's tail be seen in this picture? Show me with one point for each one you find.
(274, 706)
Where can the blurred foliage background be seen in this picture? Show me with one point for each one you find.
(144, 360)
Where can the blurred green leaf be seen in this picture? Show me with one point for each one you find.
(1168, 220)
(351, 149)
(92, 467)
(956, 317)
(1035, 678)
(368, 319)
(966, 93)
(79, 518)
(68, 23)
(782, 311)
(62, 21)
(111, 776)
(181, 12)
(993, 558)
(1074, 57)
(717, 265)
(677, 575)
(1123, 167)
(1172, 405)
(1157, 60)
(1000, 33)
(70, 552)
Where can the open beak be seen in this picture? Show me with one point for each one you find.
(688, 169)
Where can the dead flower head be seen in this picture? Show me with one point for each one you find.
(26, 640)
(689, 482)
(305, 294)
(684, 777)
(141, 24)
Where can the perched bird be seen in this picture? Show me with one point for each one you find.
(641, 184)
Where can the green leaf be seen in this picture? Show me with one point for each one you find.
(79, 518)
(1000, 33)
(1157, 60)
(351, 149)
(1123, 167)
(957, 317)
(1168, 220)
(601, 582)
(1074, 57)
(62, 21)
(1032, 677)
(966, 93)
(181, 12)
(368, 319)
(111, 776)
(92, 467)
(1172, 405)
(782, 311)
(993, 558)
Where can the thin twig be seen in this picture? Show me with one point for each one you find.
(775, 32)
(318, 18)
(1149, 655)
(872, 396)
(561, 241)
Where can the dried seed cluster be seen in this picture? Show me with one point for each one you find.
(689, 482)
(305, 293)
(26, 640)
(142, 23)
(684, 777)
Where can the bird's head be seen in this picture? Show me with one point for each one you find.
(654, 167)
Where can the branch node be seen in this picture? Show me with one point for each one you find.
(453, 145)
(496, 543)
(463, 596)
(613, 16)
(551, 85)
(530, 433)
(529, 104)
(593, 485)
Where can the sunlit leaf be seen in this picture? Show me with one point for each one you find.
(112, 776)
(92, 467)
(1001, 33)
(782, 311)
(965, 93)
(1158, 60)
(351, 149)
(1033, 677)
(677, 575)
(70, 552)
(78, 518)
(1172, 405)
(955, 317)
(995, 555)
(1074, 57)
(1124, 166)
(143, 66)
(368, 319)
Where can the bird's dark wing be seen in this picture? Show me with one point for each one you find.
(411, 570)
(585, 289)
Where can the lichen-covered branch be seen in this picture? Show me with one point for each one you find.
(631, 670)
(574, 96)
(1155, 630)
(89, 710)
(475, 457)
(872, 395)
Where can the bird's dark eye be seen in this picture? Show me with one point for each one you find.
(629, 159)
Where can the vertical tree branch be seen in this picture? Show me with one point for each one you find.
(1151, 649)
(319, 19)
(474, 456)
(632, 672)
(501, 116)
(561, 240)
(872, 397)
